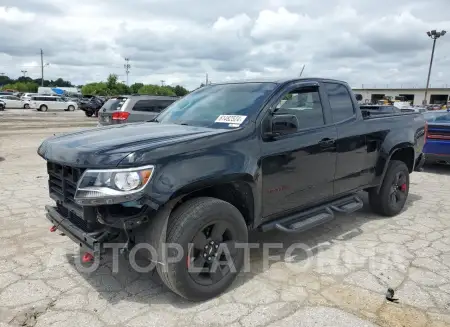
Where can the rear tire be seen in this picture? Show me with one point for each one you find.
(43, 108)
(88, 113)
(393, 192)
(190, 223)
(71, 108)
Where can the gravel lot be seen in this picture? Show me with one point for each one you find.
(355, 259)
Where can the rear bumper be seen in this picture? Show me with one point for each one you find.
(91, 242)
(438, 158)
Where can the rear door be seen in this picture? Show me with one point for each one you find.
(351, 165)
(147, 109)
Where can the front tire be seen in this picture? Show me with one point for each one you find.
(71, 108)
(43, 108)
(88, 113)
(393, 192)
(26, 106)
(208, 230)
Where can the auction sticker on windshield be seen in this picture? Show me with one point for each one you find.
(231, 119)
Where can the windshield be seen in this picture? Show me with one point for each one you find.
(218, 106)
(437, 117)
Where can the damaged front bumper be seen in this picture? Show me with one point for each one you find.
(88, 241)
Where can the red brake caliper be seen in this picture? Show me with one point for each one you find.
(403, 187)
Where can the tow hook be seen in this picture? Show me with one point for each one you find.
(87, 257)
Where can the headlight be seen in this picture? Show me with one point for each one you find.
(109, 186)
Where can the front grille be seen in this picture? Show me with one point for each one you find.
(62, 184)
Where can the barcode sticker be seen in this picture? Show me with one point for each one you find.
(231, 119)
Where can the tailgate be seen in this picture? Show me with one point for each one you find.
(106, 111)
(438, 139)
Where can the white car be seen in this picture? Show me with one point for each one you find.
(27, 96)
(12, 101)
(49, 102)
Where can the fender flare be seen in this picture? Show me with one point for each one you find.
(388, 160)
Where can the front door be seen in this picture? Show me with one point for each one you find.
(60, 104)
(298, 169)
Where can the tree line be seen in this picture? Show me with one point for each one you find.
(27, 84)
(109, 87)
(112, 87)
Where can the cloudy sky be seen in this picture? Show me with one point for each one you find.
(370, 42)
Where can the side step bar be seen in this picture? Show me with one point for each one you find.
(302, 221)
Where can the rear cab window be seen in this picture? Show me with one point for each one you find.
(340, 101)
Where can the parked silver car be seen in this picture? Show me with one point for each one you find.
(132, 108)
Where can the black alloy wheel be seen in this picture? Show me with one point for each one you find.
(399, 189)
(210, 252)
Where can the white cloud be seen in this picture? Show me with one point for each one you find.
(15, 15)
(363, 42)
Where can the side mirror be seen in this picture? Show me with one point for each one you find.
(283, 124)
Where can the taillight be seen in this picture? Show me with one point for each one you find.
(426, 132)
(120, 115)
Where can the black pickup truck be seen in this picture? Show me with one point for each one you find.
(223, 160)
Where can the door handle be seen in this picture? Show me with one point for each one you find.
(326, 142)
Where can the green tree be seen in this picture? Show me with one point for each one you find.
(151, 89)
(180, 91)
(98, 88)
(134, 88)
(22, 86)
(111, 81)
(121, 89)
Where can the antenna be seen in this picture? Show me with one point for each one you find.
(302, 71)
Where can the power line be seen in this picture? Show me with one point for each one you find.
(127, 67)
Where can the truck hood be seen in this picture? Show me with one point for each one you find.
(107, 146)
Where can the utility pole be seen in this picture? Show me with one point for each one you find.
(162, 82)
(127, 67)
(24, 72)
(206, 79)
(42, 68)
(433, 35)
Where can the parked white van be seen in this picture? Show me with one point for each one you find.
(46, 102)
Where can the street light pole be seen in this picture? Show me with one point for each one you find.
(434, 35)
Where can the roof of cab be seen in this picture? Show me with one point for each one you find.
(280, 80)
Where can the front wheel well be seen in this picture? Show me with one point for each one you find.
(406, 155)
(239, 194)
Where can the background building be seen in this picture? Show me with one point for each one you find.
(415, 95)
